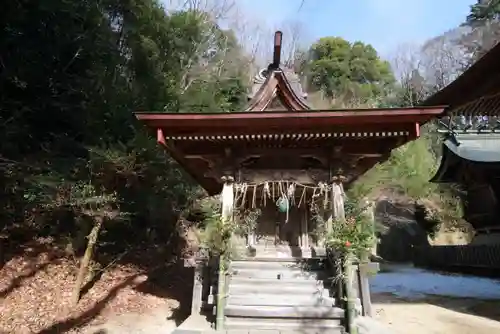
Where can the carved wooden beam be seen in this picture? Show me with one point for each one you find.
(304, 176)
(179, 156)
(222, 166)
(319, 149)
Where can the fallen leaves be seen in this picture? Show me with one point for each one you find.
(35, 292)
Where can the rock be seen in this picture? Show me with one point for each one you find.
(400, 230)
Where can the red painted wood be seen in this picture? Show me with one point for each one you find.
(358, 120)
(160, 137)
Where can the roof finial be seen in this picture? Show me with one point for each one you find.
(278, 35)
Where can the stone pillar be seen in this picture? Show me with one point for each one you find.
(197, 288)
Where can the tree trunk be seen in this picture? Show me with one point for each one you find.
(87, 257)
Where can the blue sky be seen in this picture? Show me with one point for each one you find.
(383, 23)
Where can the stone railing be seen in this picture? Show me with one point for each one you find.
(466, 256)
(205, 284)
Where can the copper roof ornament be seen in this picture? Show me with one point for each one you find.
(276, 84)
(278, 38)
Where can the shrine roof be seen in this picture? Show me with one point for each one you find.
(277, 84)
(476, 91)
(472, 148)
(365, 135)
(293, 80)
(278, 130)
(287, 121)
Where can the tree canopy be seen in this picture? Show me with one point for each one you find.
(348, 71)
(72, 73)
(483, 22)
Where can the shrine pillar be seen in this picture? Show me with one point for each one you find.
(227, 198)
(337, 199)
(251, 239)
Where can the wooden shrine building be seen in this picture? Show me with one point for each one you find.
(470, 126)
(278, 155)
(471, 149)
(279, 137)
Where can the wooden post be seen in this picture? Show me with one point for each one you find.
(370, 215)
(364, 285)
(350, 295)
(365, 267)
(251, 239)
(227, 198)
(221, 298)
(305, 233)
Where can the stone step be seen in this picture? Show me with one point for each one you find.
(309, 312)
(301, 330)
(298, 289)
(278, 274)
(313, 265)
(283, 326)
(238, 280)
(266, 254)
(312, 330)
(283, 251)
(280, 259)
(260, 299)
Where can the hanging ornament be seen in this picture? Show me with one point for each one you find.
(283, 204)
(291, 193)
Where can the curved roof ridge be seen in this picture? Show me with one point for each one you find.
(269, 83)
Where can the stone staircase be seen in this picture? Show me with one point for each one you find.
(281, 294)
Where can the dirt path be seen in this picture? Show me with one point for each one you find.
(439, 315)
(158, 321)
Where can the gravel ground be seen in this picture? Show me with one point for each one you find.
(416, 301)
(425, 317)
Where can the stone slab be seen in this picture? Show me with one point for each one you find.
(285, 273)
(258, 299)
(285, 325)
(309, 312)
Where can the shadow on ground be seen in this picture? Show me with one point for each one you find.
(87, 316)
(467, 294)
(153, 259)
(170, 283)
(489, 309)
(174, 283)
